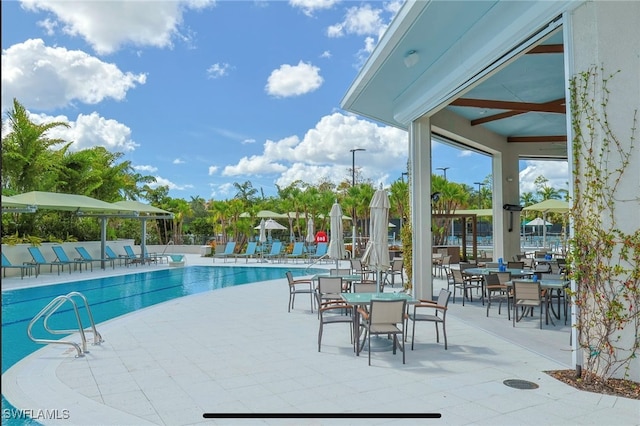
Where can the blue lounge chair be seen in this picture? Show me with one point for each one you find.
(131, 255)
(297, 252)
(321, 251)
(250, 252)
(275, 253)
(26, 267)
(228, 251)
(39, 260)
(108, 251)
(84, 255)
(61, 257)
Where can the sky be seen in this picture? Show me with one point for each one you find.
(201, 94)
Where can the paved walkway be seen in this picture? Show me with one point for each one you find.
(237, 350)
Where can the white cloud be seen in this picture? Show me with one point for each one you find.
(212, 170)
(294, 80)
(359, 20)
(109, 25)
(248, 141)
(556, 172)
(48, 77)
(310, 6)
(90, 130)
(178, 161)
(145, 168)
(218, 70)
(326, 54)
(160, 181)
(324, 153)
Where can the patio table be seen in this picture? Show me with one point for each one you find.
(550, 285)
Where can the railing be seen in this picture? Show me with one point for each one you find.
(51, 308)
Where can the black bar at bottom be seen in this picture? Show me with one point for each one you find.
(322, 415)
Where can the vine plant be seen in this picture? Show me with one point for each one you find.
(603, 258)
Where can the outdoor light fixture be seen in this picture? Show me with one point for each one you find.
(435, 197)
(411, 58)
(512, 208)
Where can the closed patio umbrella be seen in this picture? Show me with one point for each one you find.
(311, 238)
(377, 251)
(262, 238)
(336, 243)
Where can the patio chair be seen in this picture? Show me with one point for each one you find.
(24, 268)
(515, 265)
(334, 312)
(61, 257)
(297, 252)
(358, 268)
(39, 260)
(132, 256)
(249, 252)
(497, 290)
(320, 253)
(384, 317)
(329, 288)
(276, 251)
(227, 253)
(437, 315)
(527, 295)
(84, 255)
(300, 286)
(472, 281)
(108, 251)
(395, 270)
(443, 265)
(365, 286)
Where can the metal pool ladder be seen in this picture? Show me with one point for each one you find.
(52, 308)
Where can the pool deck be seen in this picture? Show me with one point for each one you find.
(237, 350)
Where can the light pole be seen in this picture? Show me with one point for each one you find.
(444, 170)
(480, 185)
(353, 184)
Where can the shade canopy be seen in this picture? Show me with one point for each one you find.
(271, 224)
(10, 205)
(477, 212)
(549, 206)
(266, 214)
(142, 207)
(69, 202)
(538, 222)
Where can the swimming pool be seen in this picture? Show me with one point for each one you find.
(110, 297)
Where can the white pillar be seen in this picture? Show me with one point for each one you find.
(420, 158)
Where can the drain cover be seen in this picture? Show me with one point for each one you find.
(520, 384)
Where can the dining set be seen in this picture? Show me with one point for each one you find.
(344, 296)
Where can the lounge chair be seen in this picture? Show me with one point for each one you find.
(321, 251)
(250, 252)
(275, 253)
(39, 260)
(111, 255)
(132, 256)
(61, 257)
(297, 252)
(84, 255)
(228, 251)
(26, 267)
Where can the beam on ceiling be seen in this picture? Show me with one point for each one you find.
(555, 106)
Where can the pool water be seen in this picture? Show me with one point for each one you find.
(110, 297)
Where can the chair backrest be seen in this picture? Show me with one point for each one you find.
(110, 253)
(5, 261)
(491, 265)
(539, 254)
(545, 268)
(276, 248)
(492, 279)
(457, 276)
(396, 265)
(298, 249)
(356, 265)
(334, 272)
(525, 290)
(466, 265)
(387, 311)
(515, 265)
(446, 260)
(528, 262)
(37, 255)
(84, 254)
(230, 247)
(365, 286)
(62, 256)
(504, 277)
(251, 247)
(321, 249)
(330, 285)
(443, 297)
(289, 277)
(129, 251)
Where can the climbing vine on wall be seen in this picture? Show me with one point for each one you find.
(603, 258)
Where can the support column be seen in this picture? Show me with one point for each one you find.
(506, 190)
(420, 158)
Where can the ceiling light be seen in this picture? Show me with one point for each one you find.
(411, 58)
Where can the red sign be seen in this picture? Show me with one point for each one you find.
(321, 237)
